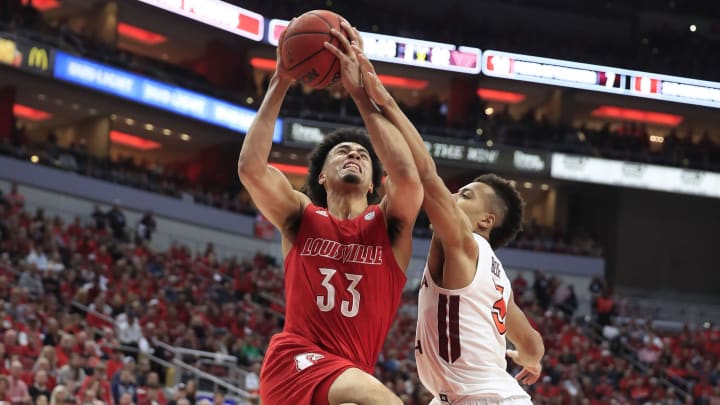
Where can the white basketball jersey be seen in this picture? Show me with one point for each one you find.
(460, 346)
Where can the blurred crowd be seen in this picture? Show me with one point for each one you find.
(85, 306)
(84, 309)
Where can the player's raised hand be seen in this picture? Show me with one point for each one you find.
(531, 369)
(371, 82)
(349, 65)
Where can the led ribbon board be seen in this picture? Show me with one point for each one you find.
(636, 175)
(216, 13)
(407, 51)
(26, 55)
(154, 93)
(606, 79)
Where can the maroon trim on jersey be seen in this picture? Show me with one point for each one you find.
(454, 327)
(453, 333)
(442, 326)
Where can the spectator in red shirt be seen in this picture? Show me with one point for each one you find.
(96, 386)
(546, 391)
(152, 392)
(605, 308)
(64, 349)
(10, 340)
(15, 199)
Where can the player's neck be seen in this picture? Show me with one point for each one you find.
(485, 233)
(344, 206)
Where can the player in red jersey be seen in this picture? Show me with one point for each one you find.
(345, 249)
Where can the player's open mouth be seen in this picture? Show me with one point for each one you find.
(352, 165)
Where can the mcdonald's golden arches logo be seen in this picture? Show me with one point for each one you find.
(38, 58)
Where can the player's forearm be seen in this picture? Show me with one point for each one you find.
(423, 161)
(256, 146)
(529, 344)
(387, 142)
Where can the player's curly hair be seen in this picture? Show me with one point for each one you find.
(317, 157)
(509, 202)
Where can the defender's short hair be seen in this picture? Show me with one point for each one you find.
(507, 200)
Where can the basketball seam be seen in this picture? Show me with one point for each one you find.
(330, 26)
(330, 69)
(322, 18)
(306, 33)
(307, 58)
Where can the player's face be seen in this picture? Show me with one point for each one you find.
(349, 163)
(475, 200)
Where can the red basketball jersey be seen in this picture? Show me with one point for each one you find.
(342, 284)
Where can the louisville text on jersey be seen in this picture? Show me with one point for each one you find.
(353, 253)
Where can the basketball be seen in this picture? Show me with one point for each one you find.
(303, 53)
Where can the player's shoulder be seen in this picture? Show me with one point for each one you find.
(483, 244)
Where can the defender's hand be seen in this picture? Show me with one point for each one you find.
(531, 369)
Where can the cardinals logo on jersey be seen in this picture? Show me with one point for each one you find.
(305, 360)
(369, 216)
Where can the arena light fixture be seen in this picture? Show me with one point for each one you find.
(263, 64)
(500, 96)
(139, 34)
(629, 114)
(29, 113)
(290, 169)
(403, 82)
(43, 5)
(133, 141)
(388, 80)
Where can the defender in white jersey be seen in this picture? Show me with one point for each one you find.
(466, 309)
(460, 349)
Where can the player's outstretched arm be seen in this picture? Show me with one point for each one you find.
(269, 188)
(439, 203)
(403, 191)
(527, 341)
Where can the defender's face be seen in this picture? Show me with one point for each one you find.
(347, 162)
(474, 200)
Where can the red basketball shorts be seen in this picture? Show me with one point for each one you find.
(296, 371)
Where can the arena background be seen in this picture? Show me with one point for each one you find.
(604, 114)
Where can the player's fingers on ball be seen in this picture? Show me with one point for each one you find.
(342, 39)
(337, 52)
(348, 30)
(359, 37)
(365, 64)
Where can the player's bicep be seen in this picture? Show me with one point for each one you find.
(274, 196)
(402, 201)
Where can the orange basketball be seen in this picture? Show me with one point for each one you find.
(303, 53)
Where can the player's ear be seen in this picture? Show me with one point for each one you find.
(487, 221)
(322, 178)
(372, 187)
